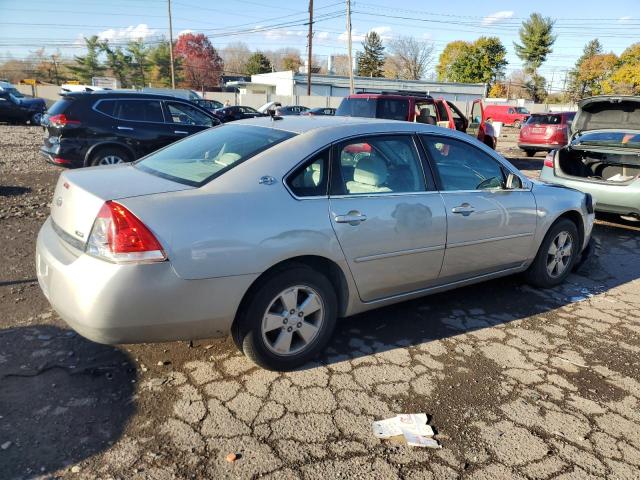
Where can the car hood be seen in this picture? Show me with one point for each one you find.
(607, 112)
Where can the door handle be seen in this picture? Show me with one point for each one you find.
(464, 209)
(124, 128)
(352, 218)
(181, 132)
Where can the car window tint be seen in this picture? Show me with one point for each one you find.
(393, 109)
(211, 153)
(462, 166)
(107, 107)
(184, 114)
(310, 180)
(139, 110)
(425, 113)
(373, 165)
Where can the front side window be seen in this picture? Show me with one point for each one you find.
(371, 165)
(461, 166)
(139, 110)
(425, 113)
(202, 157)
(311, 179)
(476, 113)
(522, 110)
(183, 114)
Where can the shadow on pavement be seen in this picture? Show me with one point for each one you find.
(13, 191)
(62, 399)
(486, 304)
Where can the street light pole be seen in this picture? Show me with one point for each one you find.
(173, 75)
(351, 87)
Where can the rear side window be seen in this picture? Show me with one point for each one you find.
(106, 106)
(357, 107)
(393, 109)
(311, 179)
(139, 110)
(544, 120)
(203, 157)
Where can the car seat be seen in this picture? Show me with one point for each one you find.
(369, 176)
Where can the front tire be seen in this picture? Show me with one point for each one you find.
(556, 256)
(36, 119)
(289, 319)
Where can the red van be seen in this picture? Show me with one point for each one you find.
(507, 114)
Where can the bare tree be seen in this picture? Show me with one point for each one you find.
(340, 64)
(235, 56)
(409, 58)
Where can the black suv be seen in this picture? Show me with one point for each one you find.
(108, 127)
(16, 108)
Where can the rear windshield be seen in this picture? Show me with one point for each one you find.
(61, 106)
(544, 120)
(389, 108)
(610, 139)
(200, 158)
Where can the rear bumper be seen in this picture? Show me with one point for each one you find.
(608, 197)
(64, 154)
(110, 303)
(540, 146)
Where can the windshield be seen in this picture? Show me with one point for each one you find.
(522, 110)
(200, 158)
(610, 139)
(544, 120)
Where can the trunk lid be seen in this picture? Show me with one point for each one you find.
(79, 195)
(607, 112)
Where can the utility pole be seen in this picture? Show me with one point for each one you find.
(310, 47)
(55, 69)
(351, 88)
(173, 75)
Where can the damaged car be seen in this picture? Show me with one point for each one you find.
(603, 155)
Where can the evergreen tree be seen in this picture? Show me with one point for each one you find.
(140, 65)
(160, 59)
(537, 39)
(118, 62)
(370, 62)
(88, 66)
(258, 63)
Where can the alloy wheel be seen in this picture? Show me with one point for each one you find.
(559, 254)
(110, 160)
(293, 320)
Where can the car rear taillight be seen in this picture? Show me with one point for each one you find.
(119, 236)
(61, 120)
(549, 159)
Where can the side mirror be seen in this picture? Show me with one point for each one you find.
(513, 182)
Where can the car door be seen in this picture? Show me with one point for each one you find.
(184, 119)
(459, 119)
(389, 220)
(491, 218)
(139, 123)
(475, 127)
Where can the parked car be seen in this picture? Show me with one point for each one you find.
(241, 229)
(290, 110)
(268, 106)
(230, 114)
(603, 154)
(320, 111)
(545, 132)
(507, 114)
(16, 108)
(416, 108)
(104, 128)
(210, 105)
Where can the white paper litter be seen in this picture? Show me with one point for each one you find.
(619, 178)
(413, 426)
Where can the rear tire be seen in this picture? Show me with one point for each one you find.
(529, 152)
(109, 156)
(276, 339)
(516, 124)
(36, 119)
(556, 256)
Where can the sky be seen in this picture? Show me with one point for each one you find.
(273, 24)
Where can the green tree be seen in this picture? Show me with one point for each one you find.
(536, 42)
(482, 61)
(118, 62)
(88, 66)
(578, 88)
(140, 65)
(370, 61)
(160, 60)
(258, 63)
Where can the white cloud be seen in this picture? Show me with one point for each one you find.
(140, 31)
(184, 32)
(356, 36)
(322, 35)
(278, 34)
(625, 19)
(497, 17)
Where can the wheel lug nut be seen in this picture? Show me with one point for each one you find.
(299, 324)
(289, 329)
(301, 314)
(285, 321)
(292, 312)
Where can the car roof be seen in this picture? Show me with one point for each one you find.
(391, 95)
(122, 93)
(303, 123)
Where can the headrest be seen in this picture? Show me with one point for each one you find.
(371, 170)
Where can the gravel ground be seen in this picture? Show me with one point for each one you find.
(517, 382)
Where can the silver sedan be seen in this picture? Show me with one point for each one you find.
(271, 229)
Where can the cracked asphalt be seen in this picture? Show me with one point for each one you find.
(517, 382)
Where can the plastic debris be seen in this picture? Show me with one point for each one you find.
(232, 457)
(411, 427)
